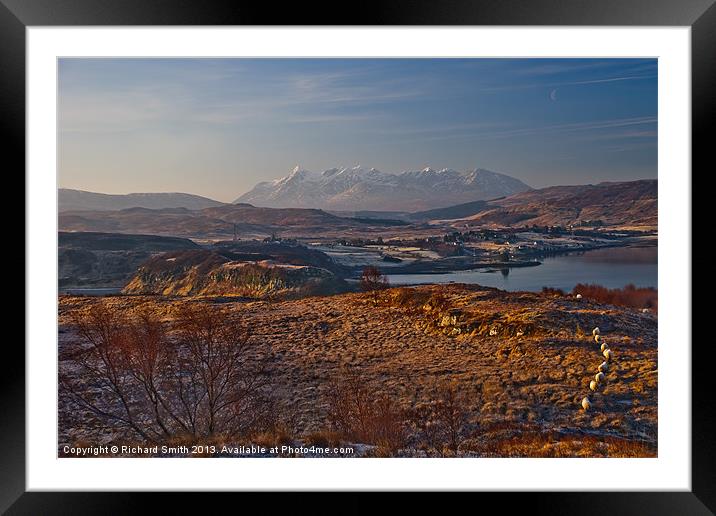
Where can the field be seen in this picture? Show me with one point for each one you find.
(428, 371)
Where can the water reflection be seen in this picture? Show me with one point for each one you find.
(612, 268)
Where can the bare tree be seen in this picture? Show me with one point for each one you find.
(450, 411)
(201, 378)
(219, 357)
(372, 281)
(357, 414)
(441, 423)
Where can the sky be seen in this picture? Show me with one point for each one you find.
(216, 127)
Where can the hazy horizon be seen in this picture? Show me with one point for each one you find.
(216, 127)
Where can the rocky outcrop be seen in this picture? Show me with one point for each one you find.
(455, 321)
(207, 273)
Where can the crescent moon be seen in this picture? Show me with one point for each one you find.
(553, 95)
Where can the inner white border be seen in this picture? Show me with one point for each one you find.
(671, 470)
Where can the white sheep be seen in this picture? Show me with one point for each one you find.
(604, 346)
(593, 385)
(607, 354)
(595, 331)
(603, 367)
(586, 403)
(578, 297)
(599, 377)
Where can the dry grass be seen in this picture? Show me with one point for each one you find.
(552, 445)
(516, 361)
(359, 416)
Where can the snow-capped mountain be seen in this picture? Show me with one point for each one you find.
(358, 188)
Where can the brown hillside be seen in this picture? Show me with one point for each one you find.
(521, 362)
(210, 222)
(204, 273)
(631, 203)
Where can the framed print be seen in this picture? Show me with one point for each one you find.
(435, 248)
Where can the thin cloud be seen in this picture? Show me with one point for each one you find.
(514, 87)
(612, 79)
(557, 128)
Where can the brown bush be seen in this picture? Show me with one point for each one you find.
(403, 296)
(198, 381)
(408, 299)
(441, 424)
(438, 300)
(356, 414)
(552, 291)
(630, 296)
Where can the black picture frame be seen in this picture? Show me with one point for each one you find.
(700, 15)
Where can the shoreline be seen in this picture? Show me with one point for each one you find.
(449, 265)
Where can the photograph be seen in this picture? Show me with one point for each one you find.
(359, 257)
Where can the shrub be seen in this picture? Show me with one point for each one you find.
(438, 300)
(403, 297)
(409, 299)
(200, 381)
(629, 296)
(452, 414)
(356, 414)
(441, 423)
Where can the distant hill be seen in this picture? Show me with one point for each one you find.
(631, 203)
(93, 241)
(361, 189)
(215, 222)
(108, 259)
(76, 200)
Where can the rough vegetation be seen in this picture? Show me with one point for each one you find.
(430, 371)
(631, 296)
(206, 273)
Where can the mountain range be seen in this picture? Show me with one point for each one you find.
(632, 203)
(359, 188)
(337, 189)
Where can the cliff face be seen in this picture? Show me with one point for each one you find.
(206, 273)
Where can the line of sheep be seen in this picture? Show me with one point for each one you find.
(600, 378)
